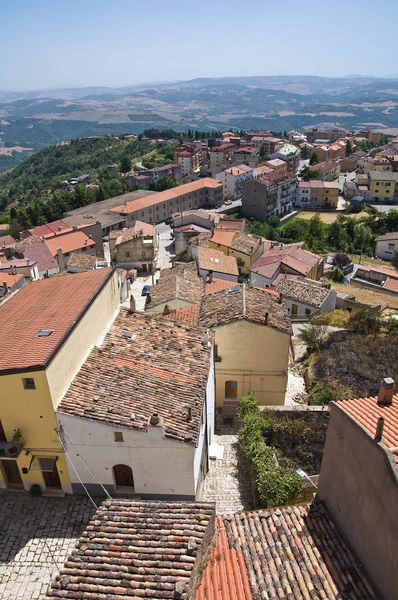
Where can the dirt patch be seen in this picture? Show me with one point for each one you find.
(367, 296)
(328, 217)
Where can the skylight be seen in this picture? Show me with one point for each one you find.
(44, 332)
(127, 334)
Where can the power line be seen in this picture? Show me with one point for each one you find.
(77, 474)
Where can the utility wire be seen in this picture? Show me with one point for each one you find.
(77, 474)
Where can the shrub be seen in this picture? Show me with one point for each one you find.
(365, 321)
(337, 275)
(324, 396)
(313, 336)
(334, 318)
(35, 490)
(275, 485)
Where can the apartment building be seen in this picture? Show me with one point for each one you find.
(247, 155)
(135, 247)
(269, 195)
(331, 135)
(328, 171)
(188, 157)
(220, 156)
(144, 178)
(317, 194)
(162, 205)
(290, 154)
(267, 143)
(381, 186)
(232, 180)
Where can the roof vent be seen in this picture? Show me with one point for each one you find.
(386, 392)
(214, 259)
(154, 419)
(44, 332)
(110, 409)
(127, 334)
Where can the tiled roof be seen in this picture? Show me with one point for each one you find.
(16, 262)
(224, 238)
(229, 224)
(68, 242)
(302, 290)
(163, 368)
(82, 260)
(245, 303)
(10, 280)
(210, 259)
(32, 240)
(238, 170)
(247, 244)
(139, 229)
(225, 576)
(53, 227)
(366, 411)
(375, 269)
(381, 175)
(159, 197)
(382, 238)
(294, 553)
(55, 303)
(7, 240)
(41, 254)
(136, 550)
(201, 240)
(182, 282)
(391, 284)
(217, 285)
(185, 314)
(292, 255)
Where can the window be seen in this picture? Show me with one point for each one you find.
(231, 389)
(307, 311)
(127, 254)
(84, 248)
(118, 436)
(29, 383)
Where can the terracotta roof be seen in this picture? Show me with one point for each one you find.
(137, 550)
(7, 240)
(163, 368)
(302, 290)
(186, 314)
(182, 282)
(383, 270)
(201, 240)
(217, 285)
(10, 280)
(246, 150)
(247, 244)
(224, 238)
(159, 197)
(366, 411)
(391, 284)
(53, 227)
(68, 242)
(242, 302)
(225, 576)
(82, 260)
(387, 236)
(294, 553)
(139, 229)
(41, 254)
(56, 304)
(210, 259)
(27, 242)
(239, 170)
(291, 255)
(229, 224)
(16, 262)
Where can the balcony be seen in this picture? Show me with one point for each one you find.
(11, 450)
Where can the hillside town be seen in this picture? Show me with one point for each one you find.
(197, 380)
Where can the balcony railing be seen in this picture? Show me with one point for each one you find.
(11, 450)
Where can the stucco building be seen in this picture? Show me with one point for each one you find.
(317, 194)
(304, 298)
(245, 248)
(215, 264)
(232, 180)
(135, 247)
(387, 245)
(285, 258)
(269, 195)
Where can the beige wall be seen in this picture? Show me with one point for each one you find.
(172, 304)
(90, 331)
(359, 484)
(256, 357)
(135, 250)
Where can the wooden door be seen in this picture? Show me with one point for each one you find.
(123, 476)
(13, 476)
(52, 478)
(294, 309)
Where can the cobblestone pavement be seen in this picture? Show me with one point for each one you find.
(227, 482)
(36, 536)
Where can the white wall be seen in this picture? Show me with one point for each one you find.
(207, 423)
(257, 280)
(225, 276)
(161, 466)
(386, 249)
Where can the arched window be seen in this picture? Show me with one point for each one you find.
(231, 389)
(123, 476)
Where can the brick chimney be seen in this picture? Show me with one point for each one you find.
(210, 277)
(166, 310)
(5, 286)
(386, 392)
(266, 319)
(154, 420)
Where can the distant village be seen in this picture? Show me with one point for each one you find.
(153, 346)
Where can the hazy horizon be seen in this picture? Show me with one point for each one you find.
(92, 43)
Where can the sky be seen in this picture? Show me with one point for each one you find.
(74, 43)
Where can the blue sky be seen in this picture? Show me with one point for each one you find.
(55, 43)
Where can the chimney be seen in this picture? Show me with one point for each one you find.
(189, 413)
(74, 228)
(386, 392)
(132, 304)
(206, 339)
(266, 319)
(210, 277)
(166, 310)
(154, 419)
(5, 286)
(379, 429)
(60, 259)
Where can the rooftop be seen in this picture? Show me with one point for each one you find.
(41, 254)
(288, 150)
(217, 285)
(136, 550)
(139, 229)
(294, 553)
(159, 197)
(302, 290)
(291, 255)
(82, 260)
(224, 238)
(201, 240)
(7, 240)
(182, 282)
(230, 224)
(185, 314)
(210, 259)
(393, 235)
(10, 280)
(49, 228)
(276, 162)
(246, 150)
(54, 304)
(239, 170)
(156, 366)
(242, 302)
(381, 176)
(68, 242)
(246, 244)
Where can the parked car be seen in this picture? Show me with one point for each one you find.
(228, 202)
(146, 290)
(169, 222)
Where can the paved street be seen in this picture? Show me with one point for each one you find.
(36, 536)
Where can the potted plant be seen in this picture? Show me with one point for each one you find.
(13, 451)
(17, 435)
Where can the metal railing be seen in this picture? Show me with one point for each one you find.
(11, 450)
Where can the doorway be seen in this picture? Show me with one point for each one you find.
(12, 474)
(51, 479)
(123, 476)
(294, 309)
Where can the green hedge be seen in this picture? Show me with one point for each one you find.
(275, 485)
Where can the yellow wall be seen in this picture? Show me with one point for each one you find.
(379, 189)
(245, 261)
(89, 332)
(32, 412)
(256, 357)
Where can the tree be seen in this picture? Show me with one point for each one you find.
(125, 164)
(362, 237)
(308, 174)
(366, 321)
(314, 159)
(315, 235)
(313, 337)
(395, 260)
(99, 193)
(337, 275)
(304, 152)
(348, 148)
(341, 260)
(337, 236)
(163, 183)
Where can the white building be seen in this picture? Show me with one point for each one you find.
(139, 415)
(232, 180)
(304, 298)
(387, 245)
